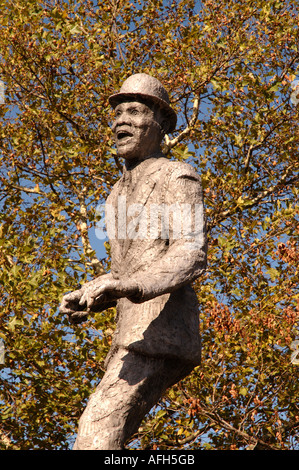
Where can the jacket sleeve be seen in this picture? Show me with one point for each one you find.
(185, 255)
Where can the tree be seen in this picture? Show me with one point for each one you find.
(229, 67)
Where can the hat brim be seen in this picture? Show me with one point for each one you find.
(118, 98)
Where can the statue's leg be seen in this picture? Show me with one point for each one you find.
(130, 387)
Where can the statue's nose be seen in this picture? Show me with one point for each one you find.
(121, 120)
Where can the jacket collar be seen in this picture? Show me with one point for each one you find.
(133, 174)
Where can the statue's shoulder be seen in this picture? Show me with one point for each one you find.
(176, 169)
(174, 179)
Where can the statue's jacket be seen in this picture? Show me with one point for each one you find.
(160, 256)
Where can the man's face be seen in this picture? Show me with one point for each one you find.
(136, 130)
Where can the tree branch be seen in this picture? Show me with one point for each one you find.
(169, 144)
(186, 440)
(229, 212)
(253, 441)
(35, 190)
(4, 439)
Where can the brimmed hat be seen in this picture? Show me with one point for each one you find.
(148, 87)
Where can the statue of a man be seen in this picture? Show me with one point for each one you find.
(154, 258)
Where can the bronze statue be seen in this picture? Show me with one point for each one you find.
(156, 342)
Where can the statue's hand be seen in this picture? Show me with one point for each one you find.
(109, 291)
(70, 306)
(74, 303)
(95, 296)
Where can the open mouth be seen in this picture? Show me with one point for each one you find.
(123, 135)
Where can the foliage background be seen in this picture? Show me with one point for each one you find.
(228, 66)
